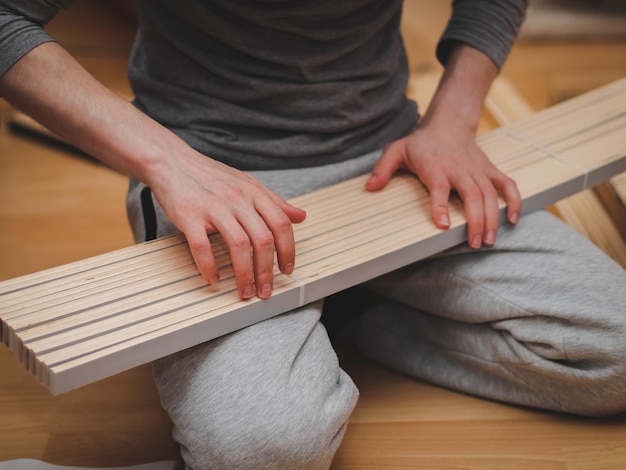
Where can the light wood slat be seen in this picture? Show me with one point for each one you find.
(587, 215)
(615, 202)
(596, 213)
(619, 185)
(80, 267)
(175, 264)
(81, 322)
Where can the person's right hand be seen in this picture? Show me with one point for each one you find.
(201, 195)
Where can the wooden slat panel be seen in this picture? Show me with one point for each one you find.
(84, 321)
(596, 213)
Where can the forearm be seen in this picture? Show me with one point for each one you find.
(462, 90)
(50, 85)
(473, 47)
(198, 194)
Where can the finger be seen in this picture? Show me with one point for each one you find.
(260, 225)
(511, 195)
(491, 209)
(240, 249)
(390, 161)
(262, 242)
(202, 254)
(439, 190)
(295, 214)
(472, 198)
(281, 231)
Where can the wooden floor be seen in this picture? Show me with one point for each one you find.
(57, 207)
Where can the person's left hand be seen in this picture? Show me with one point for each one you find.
(445, 159)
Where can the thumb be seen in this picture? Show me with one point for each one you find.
(389, 162)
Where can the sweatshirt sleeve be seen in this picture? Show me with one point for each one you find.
(491, 26)
(21, 27)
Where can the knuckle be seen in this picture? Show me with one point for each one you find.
(509, 181)
(234, 193)
(489, 192)
(283, 224)
(244, 277)
(436, 182)
(505, 182)
(264, 241)
(196, 244)
(440, 185)
(472, 193)
(240, 242)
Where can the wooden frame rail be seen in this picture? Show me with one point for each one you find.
(84, 321)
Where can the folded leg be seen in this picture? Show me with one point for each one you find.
(538, 320)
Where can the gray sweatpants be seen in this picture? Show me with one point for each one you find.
(538, 320)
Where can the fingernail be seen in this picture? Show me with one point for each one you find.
(266, 291)
(288, 269)
(248, 291)
(514, 217)
(444, 220)
(490, 237)
(476, 241)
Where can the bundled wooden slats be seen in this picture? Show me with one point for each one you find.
(84, 321)
(598, 213)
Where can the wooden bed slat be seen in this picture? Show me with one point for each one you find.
(84, 321)
(598, 213)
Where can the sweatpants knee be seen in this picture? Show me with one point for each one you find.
(285, 435)
(268, 397)
(277, 431)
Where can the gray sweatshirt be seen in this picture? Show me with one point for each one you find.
(268, 84)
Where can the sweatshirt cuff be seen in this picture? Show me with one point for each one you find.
(491, 27)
